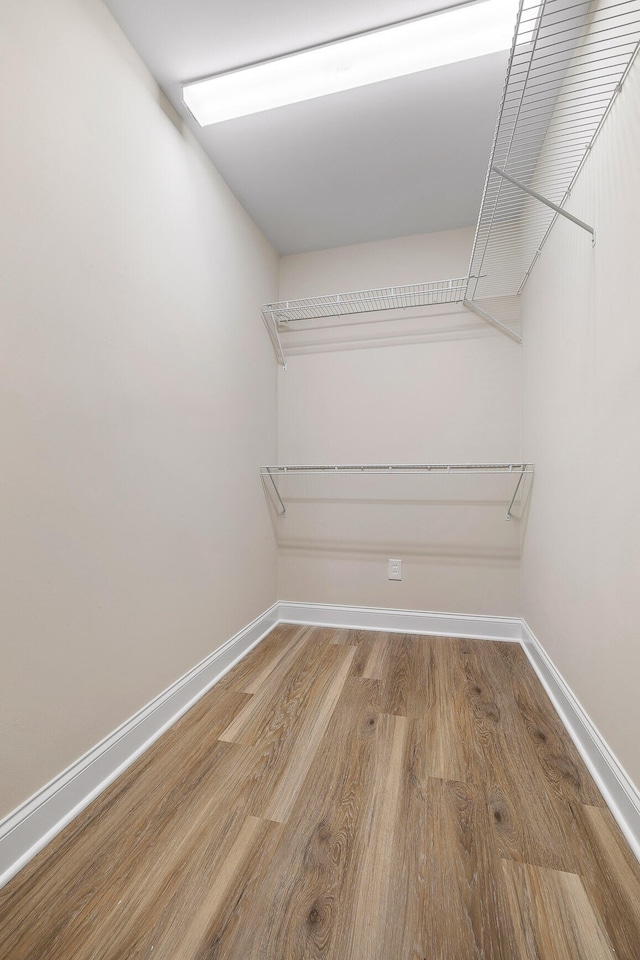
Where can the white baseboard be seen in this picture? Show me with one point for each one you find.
(29, 828)
(401, 621)
(620, 793)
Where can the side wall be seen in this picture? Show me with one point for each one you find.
(433, 386)
(138, 393)
(581, 426)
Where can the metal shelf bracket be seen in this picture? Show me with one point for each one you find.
(271, 324)
(547, 203)
(479, 312)
(266, 471)
(513, 498)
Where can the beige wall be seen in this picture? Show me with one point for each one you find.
(447, 390)
(138, 393)
(581, 402)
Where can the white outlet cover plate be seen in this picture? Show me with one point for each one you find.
(395, 570)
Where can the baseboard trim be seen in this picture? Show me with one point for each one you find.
(37, 821)
(620, 793)
(401, 621)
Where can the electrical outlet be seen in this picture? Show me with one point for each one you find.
(395, 570)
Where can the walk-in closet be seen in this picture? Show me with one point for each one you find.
(320, 408)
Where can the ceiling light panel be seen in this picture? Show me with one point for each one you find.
(456, 34)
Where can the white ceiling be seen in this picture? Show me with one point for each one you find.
(396, 158)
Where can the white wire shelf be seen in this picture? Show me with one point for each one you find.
(567, 65)
(280, 317)
(273, 472)
(366, 301)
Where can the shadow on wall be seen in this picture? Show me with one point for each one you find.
(438, 516)
(463, 552)
(171, 113)
(390, 328)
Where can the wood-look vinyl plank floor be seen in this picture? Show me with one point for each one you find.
(310, 881)
(348, 796)
(529, 823)
(256, 672)
(559, 759)
(554, 915)
(446, 730)
(611, 877)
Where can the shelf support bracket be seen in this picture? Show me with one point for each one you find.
(479, 312)
(547, 203)
(273, 484)
(513, 498)
(271, 324)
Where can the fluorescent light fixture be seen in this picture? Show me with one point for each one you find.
(458, 33)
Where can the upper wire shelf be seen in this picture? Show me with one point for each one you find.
(272, 473)
(567, 64)
(365, 301)
(279, 316)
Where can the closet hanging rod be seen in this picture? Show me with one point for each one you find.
(519, 470)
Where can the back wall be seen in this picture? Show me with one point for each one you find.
(428, 385)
